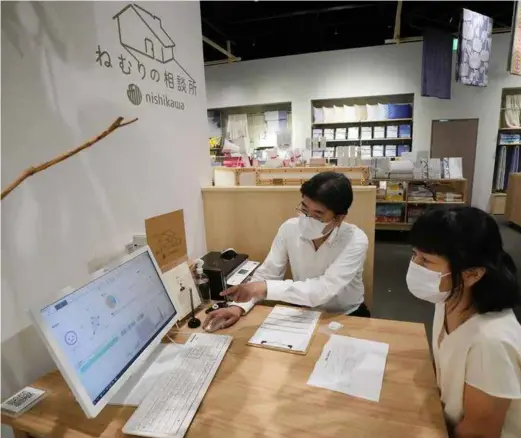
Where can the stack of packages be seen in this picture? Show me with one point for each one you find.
(509, 138)
(420, 192)
(401, 169)
(414, 212)
(389, 213)
(449, 197)
(395, 192)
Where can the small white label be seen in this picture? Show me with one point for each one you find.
(18, 402)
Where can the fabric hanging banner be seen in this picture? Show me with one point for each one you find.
(514, 60)
(436, 64)
(474, 45)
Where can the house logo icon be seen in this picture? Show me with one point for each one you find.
(134, 94)
(141, 34)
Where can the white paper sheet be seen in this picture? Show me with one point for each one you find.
(351, 366)
(179, 282)
(288, 328)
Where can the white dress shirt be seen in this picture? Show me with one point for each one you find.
(329, 278)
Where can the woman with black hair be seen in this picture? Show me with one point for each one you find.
(459, 264)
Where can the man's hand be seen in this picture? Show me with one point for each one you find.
(243, 293)
(222, 318)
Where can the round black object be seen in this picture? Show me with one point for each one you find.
(194, 323)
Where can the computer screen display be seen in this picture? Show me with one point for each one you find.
(103, 327)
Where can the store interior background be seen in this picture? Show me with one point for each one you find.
(55, 97)
(375, 71)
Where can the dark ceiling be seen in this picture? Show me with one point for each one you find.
(263, 29)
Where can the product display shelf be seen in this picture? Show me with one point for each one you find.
(363, 122)
(378, 140)
(403, 143)
(410, 209)
(508, 154)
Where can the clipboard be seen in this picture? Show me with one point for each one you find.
(280, 336)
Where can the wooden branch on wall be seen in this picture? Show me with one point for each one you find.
(32, 170)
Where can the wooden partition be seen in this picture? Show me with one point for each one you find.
(513, 201)
(247, 219)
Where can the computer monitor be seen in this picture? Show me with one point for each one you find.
(102, 332)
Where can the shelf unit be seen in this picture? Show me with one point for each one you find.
(333, 144)
(218, 121)
(511, 154)
(409, 209)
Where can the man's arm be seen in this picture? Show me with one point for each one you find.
(316, 291)
(273, 267)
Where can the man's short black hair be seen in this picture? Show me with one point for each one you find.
(331, 189)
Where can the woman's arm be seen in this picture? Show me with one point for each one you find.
(483, 414)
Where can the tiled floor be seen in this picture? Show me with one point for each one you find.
(392, 300)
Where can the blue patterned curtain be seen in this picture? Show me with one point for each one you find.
(475, 41)
(436, 64)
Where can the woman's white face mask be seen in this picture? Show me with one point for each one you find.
(425, 284)
(311, 228)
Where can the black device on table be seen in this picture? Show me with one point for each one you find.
(219, 266)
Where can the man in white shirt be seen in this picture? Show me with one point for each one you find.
(326, 256)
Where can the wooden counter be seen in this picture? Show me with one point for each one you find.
(263, 393)
(513, 202)
(247, 219)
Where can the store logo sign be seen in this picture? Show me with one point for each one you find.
(134, 94)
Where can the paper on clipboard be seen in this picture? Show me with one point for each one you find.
(287, 328)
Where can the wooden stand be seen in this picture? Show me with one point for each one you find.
(513, 201)
(282, 176)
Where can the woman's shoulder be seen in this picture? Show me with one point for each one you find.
(498, 328)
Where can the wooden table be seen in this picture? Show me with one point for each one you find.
(263, 393)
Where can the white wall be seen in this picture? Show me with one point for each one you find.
(369, 72)
(54, 97)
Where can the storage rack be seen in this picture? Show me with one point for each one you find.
(437, 185)
(332, 145)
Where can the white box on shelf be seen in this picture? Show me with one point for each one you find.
(379, 132)
(456, 167)
(390, 150)
(353, 133)
(378, 150)
(367, 133)
(392, 131)
(340, 134)
(434, 168)
(329, 134)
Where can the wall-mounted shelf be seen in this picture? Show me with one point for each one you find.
(508, 155)
(380, 140)
(363, 122)
(394, 105)
(435, 202)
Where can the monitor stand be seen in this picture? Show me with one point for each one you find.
(141, 382)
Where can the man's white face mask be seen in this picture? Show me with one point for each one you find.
(312, 229)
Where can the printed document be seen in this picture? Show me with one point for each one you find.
(287, 328)
(351, 366)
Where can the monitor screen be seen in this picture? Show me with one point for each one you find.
(103, 327)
